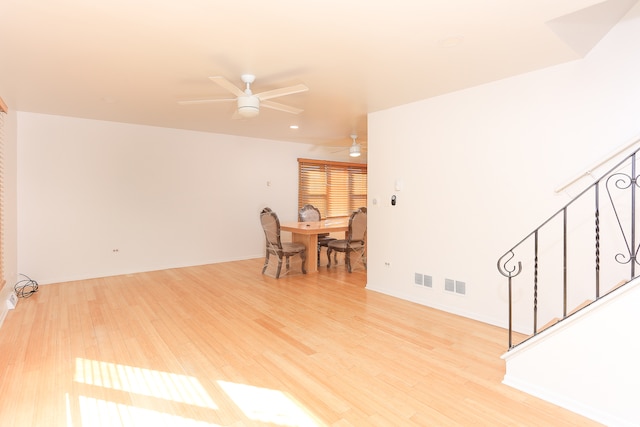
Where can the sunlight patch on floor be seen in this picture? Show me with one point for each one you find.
(256, 403)
(267, 405)
(98, 412)
(146, 382)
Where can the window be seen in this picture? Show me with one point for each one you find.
(335, 188)
(3, 112)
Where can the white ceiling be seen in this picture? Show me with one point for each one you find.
(132, 61)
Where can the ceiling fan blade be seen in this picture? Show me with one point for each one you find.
(223, 82)
(281, 107)
(362, 148)
(282, 92)
(205, 101)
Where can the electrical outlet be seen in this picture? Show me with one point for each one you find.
(12, 301)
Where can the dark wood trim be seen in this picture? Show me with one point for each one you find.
(329, 162)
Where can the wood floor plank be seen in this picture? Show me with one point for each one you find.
(223, 345)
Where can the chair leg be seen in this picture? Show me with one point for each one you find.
(303, 256)
(328, 257)
(266, 263)
(347, 258)
(279, 268)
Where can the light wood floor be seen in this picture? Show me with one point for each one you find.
(224, 345)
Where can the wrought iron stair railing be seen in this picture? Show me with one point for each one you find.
(581, 253)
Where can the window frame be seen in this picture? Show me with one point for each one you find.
(3, 111)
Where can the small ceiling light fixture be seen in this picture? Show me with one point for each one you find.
(451, 41)
(248, 106)
(354, 150)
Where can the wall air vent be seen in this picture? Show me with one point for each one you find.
(428, 281)
(423, 280)
(449, 285)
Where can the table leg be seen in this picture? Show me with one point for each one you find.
(310, 241)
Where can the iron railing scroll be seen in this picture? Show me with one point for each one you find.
(510, 272)
(614, 224)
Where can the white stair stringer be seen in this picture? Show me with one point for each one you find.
(589, 362)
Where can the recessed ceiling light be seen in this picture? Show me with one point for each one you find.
(293, 127)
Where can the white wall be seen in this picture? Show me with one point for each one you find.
(162, 197)
(479, 167)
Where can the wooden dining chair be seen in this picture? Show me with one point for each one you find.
(355, 241)
(275, 246)
(309, 213)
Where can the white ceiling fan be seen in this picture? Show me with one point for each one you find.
(355, 149)
(248, 102)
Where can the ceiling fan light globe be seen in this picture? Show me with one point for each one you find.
(248, 106)
(248, 112)
(354, 151)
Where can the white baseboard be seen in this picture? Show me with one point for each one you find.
(449, 309)
(570, 404)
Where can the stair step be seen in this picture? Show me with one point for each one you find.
(580, 307)
(576, 309)
(549, 324)
(557, 320)
(622, 282)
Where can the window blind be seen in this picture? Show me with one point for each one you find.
(335, 188)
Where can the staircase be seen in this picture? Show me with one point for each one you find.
(588, 362)
(574, 299)
(581, 253)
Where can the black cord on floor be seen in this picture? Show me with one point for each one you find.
(25, 287)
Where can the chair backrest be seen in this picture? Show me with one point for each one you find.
(271, 226)
(357, 226)
(309, 213)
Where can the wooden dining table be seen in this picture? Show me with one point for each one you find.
(307, 234)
